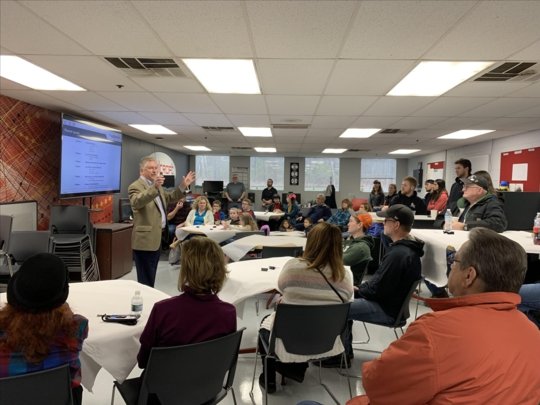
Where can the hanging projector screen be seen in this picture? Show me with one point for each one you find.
(91, 158)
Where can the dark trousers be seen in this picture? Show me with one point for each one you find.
(77, 395)
(146, 263)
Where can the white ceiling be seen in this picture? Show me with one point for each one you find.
(327, 64)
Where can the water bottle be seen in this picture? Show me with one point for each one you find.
(536, 229)
(448, 220)
(136, 303)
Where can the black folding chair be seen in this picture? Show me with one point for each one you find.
(51, 386)
(309, 330)
(195, 374)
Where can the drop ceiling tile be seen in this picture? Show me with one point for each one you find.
(249, 120)
(324, 132)
(457, 123)
(126, 118)
(532, 112)
(485, 89)
(329, 121)
(87, 100)
(199, 28)
(167, 118)
(529, 53)
(503, 107)
(292, 76)
(137, 101)
(375, 121)
(482, 34)
(344, 105)
(401, 106)
(291, 119)
(240, 103)
(211, 120)
(400, 30)
(192, 103)
(40, 99)
(298, 29)
(292, 105)
(188, 130)
(168, 84)
(109, 28)
(451, 106)
(532, 90)
(516, 124)
(24, 31)
(417, 122)
(367, 77)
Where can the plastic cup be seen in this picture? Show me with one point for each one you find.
(433, 214)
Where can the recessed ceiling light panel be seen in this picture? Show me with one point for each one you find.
(265, 150)
(256, 131)
(153, 129)
(404, 151)
(198, 148)
(466, 133)
(359, 132)
(333, 150)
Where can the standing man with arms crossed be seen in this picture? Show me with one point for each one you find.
(463, 170)
(268, 194)
(235, 192)
(149, 201)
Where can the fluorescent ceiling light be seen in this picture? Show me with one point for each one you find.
(230, 76)
(436, 78)
(153, 129)
(256, 131)
(23, 72)
(330, 150)
(268, 150)
(466, 133)
(404, 151)
(197, 148)
(359, 132)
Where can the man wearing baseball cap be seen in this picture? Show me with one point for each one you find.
(482, 208)
(380, 299)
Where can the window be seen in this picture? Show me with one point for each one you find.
(208, 167)
(383, 170)
(264, 168)
(319, 172)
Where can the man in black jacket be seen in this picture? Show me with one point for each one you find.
(463, 169)
(381, 298)
(481, 207)
(408, 197)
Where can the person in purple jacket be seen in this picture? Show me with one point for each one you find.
(197, 314)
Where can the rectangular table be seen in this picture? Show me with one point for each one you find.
(434, 259)
(237, 249)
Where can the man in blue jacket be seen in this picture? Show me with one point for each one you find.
(318, 213)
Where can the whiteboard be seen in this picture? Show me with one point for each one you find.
(24, 215)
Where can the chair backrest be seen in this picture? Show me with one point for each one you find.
(191, 374)
(6, 222)
(52, 386)
(25, 244)
(404, 313)
(240, 235)
(309, 329)
(70, 219)
(280, 251)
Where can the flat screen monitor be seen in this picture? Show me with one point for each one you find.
(91, 158)
(520, 209)
(212, 186)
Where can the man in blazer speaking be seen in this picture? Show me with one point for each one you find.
(149, 203)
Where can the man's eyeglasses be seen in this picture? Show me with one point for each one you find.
(389, 220)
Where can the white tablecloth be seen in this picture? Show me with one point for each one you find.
(237, 249)
(266, 216)
(214, 232)
(245, 279)
(110, 345)
(290, 233)
(423, 218)
(434, 260)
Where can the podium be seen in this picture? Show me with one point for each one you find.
(113, 249)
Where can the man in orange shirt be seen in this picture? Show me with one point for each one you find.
(475, 348)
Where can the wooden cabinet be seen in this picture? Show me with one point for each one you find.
(113, 250)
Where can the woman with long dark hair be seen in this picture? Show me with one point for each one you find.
(392, 192)
(439, 197)
(376, 197)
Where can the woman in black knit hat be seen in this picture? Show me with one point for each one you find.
(38, 330)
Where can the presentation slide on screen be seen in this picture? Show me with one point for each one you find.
(91, 159)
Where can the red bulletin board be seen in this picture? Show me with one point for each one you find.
(531, 157)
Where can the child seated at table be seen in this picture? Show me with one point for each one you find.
(218, 214)
(285, 226)
(38, 329)
(247, 224)
(197, 314)
(234, 216)
(276, 204)
(308, 225)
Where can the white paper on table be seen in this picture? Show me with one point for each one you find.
(519, 171)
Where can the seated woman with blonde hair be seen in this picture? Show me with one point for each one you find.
(38, 329)
(307, 280)
(197, 314)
